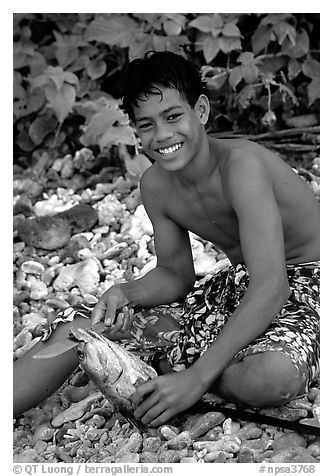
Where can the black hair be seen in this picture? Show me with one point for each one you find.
(142, 76)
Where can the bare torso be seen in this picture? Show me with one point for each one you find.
(206, 211)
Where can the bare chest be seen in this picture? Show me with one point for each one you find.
(208, 215)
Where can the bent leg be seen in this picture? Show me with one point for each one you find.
(260, 380)
(36, 379)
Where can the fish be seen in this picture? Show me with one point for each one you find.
(113, 369)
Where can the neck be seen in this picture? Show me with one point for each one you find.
(201, 167)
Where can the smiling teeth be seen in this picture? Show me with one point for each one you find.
(170, 150)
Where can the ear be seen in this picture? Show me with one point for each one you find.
(202, 108)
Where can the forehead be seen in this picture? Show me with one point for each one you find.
(158, 101)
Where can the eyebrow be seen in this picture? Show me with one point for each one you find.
(166, 111)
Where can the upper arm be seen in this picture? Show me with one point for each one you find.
(172, 243)
(251, 194)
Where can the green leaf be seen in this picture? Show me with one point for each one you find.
(171, 27)
(314, 90)
(66, 55)
(230, 29)
(274, 18)
(294, 68)
(236, 76)
(246, 58)
(216, 82)
(61, 101)
(117, 135)
(311, 68)
(211, 47)
(228, 44)
(261, 38)
(203, 23)
(284, 30)
(136, 165)
(116, 30)
(246, 95)
(96, 69)
(250, 73)
(301, 48)
(41, 127)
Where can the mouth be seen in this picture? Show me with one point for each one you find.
(170, 151)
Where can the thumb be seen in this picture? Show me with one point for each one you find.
(110, 313)
(98, 312)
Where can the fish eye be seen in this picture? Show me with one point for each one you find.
(80, 354)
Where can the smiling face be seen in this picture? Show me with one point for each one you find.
(170, 130)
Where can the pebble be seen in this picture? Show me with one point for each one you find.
(76, 410)
(152, 444)
(44, 433)
(289, 440)
(32, 267)
(33, 321)
(285, 413)
(148, 457)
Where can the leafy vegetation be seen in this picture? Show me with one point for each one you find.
(261, 70)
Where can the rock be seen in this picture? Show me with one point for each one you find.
(189, 459)
(148, 457)
(51, 206)
(81, 217)
(84, 275)
(63, 455)
(49, 233)
(132, 445)
(292, 455)
(230, 444)
(110, 211)
(289, 440)
(230, 427)
(24, 349)
(40, 446)
(167, 432)
(137, 224)
(67, 169)
(172, 456)
(129, 458)
(245, 455)
(313, 394)
(38, 289)
(249, 431)
(204, 423)
(44, 433)
(183, 440)
(32, 267)
(76, 410)
(152, 444)
(285, 413)
(33, 321)
(29, 455)
(22, 339)
(314, 448)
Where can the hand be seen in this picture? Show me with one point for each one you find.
(166, 396)
(107, 306)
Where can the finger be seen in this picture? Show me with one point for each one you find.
(110, 313)
(125, 324)
(153, 412)
(98, 313)
(143, 390)
(117, 324)
(162, 418)
(146, 406)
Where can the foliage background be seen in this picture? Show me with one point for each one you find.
(262, 72)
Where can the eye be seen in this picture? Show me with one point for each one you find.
(145, 126)
(174, 117)
(80, 354)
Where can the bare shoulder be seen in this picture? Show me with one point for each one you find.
(154, 184)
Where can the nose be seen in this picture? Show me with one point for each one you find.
(162, 133)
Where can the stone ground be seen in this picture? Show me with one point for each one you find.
(87, 231)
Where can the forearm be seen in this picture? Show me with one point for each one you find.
(158, 286)
(251, 319)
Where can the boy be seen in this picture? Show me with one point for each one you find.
(249, 333)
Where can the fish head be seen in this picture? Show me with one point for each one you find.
(96, 357)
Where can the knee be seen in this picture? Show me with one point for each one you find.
(262, 380)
